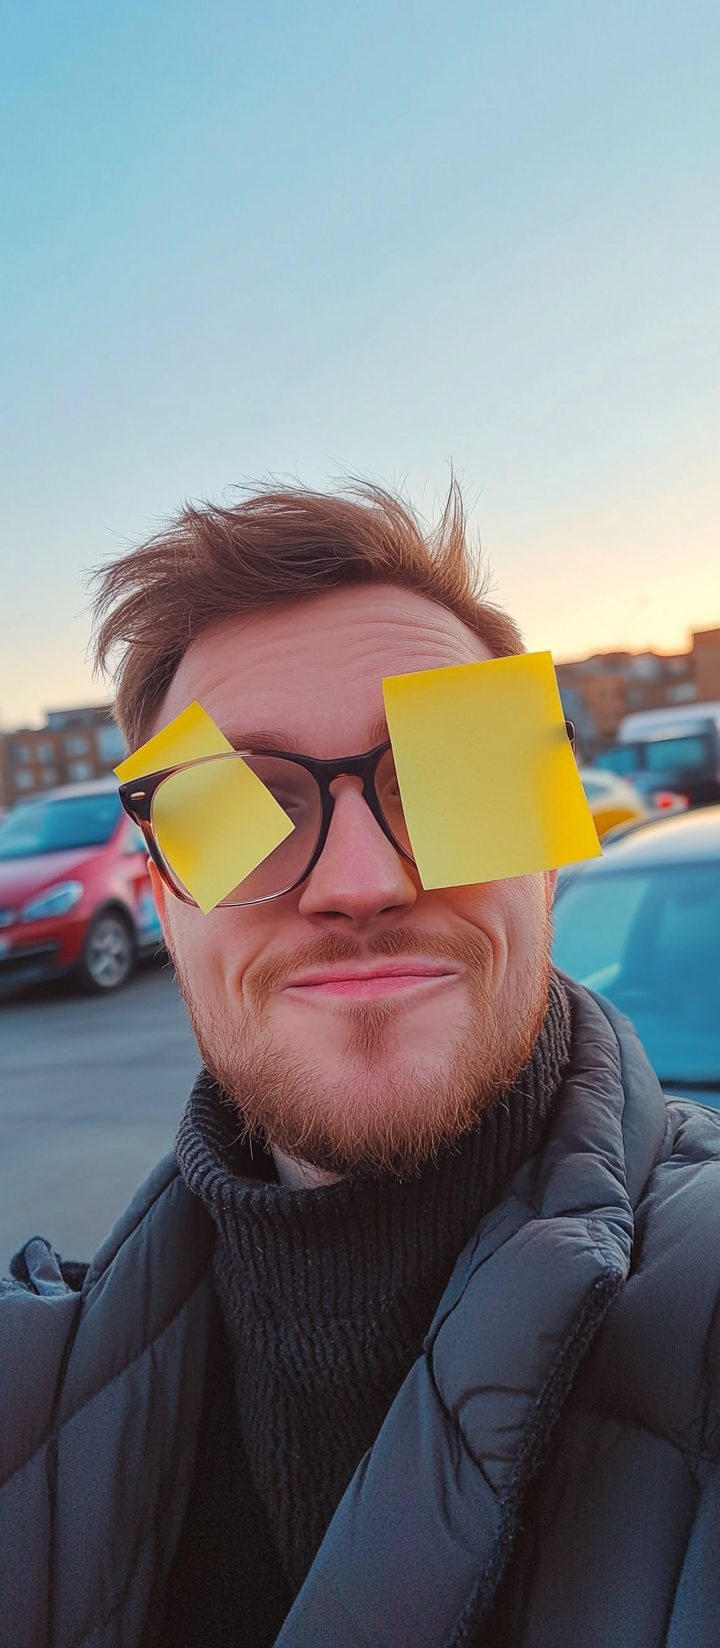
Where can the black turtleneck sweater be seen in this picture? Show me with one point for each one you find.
(326, 1294)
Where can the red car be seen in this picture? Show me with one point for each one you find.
(75, 893)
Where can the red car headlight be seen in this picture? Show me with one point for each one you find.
(53, 901)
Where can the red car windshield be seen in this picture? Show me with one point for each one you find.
(56, 826)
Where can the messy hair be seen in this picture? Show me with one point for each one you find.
(210, 563)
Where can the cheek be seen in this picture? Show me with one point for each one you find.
(528, 918)
(196, 942)
(512, 914)
(213, 952)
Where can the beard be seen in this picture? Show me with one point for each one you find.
(384, 1113)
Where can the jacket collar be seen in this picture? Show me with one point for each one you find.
(420, 1541)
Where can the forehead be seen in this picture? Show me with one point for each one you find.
(311, 671)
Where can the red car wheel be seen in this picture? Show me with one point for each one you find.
(108, 956)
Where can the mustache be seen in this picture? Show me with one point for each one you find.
(473, 952)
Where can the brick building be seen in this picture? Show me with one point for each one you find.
(706, 652)
(598, 691)
(72, 746)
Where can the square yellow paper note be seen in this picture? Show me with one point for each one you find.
(189, 737)
(214, 823)
(488, 780)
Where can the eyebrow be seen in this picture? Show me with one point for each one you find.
(269, 739)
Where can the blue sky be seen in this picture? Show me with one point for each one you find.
(305, 239)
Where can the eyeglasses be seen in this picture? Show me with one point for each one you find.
(299, 784)
(183, 800)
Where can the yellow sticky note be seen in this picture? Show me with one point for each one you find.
(189, 737)
(487, 776)
(214, 823)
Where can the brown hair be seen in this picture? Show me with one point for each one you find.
(280, 543)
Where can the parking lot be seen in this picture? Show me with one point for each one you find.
(91, 1089)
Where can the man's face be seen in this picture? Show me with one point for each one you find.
(360, 1021)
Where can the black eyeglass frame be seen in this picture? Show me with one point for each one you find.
(137, 803)
(137, 796)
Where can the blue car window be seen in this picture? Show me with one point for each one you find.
(624, 759)
(678, 755)
(134, 841)
(650, 941)
(56, 826)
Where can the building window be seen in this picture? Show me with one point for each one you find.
(45, 752)
(20, 754)
(76, 746)
(78, 770)
(111, 747)
(49, 776)
(24, 781)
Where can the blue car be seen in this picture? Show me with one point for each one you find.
(642, 926)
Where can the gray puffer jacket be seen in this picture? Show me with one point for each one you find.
(548, 1476)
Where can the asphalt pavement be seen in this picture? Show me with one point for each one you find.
(91, 1090)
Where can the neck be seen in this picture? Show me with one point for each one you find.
(299, 1175)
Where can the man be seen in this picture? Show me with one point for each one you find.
(416, 1343)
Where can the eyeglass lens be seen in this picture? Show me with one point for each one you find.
(199, 810)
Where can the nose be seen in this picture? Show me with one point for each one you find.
(359, 875)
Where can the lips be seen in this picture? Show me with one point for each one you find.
(373, 979)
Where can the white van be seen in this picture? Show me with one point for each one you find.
(669, 752)
(667, 722)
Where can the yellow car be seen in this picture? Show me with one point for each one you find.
(612, 800)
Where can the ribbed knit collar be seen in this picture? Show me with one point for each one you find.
(327, 1293)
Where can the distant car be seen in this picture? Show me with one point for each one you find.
(668, 720)
(642, 926)
(662, 763)
(611, 800)
(75, 895)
